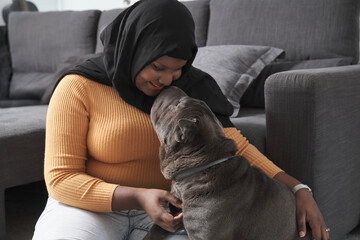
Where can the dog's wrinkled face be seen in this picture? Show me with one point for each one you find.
(178, 118)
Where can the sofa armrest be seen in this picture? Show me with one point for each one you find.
(313, 133)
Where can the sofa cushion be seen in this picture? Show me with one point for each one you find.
(5, 66)
(234, 67)
(305, 29)
(9, 103)
(30, 85)
(252, 124)
(199, 10)
(56, 35)
(22, 143)
(254, 94)
(63, 67)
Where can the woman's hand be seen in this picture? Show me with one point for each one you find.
(154, 202)
(308, 211)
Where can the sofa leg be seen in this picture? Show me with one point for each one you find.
(2, 215)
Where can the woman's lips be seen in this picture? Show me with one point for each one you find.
(155, 87)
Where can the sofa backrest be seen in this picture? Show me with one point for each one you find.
(198, 8)
(106, 18)
(39, 41)
(201, 13)
(305, 29)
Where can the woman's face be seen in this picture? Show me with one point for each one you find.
(158, 74)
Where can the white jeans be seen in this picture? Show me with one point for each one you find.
(60, 221)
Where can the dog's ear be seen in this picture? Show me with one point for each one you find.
(185, 130)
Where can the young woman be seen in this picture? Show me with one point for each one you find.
(101, 159)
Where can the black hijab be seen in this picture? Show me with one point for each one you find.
(138, 36)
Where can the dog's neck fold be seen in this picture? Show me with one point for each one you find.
(176, 161)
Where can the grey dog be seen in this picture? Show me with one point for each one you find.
(223, 197)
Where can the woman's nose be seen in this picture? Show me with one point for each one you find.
(166, 79)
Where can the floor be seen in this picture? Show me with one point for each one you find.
(24, 205)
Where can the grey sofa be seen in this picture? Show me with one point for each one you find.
(301, 108)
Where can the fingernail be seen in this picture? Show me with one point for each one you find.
(302, 234)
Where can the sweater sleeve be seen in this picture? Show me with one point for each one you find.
(66, 150)
(251, 153)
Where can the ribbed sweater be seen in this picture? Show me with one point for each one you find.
(95, 141)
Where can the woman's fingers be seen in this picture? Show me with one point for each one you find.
(301, 222)
(325, 233)
(319, 229)
(169, 222)
(174, 201)
(166, 220)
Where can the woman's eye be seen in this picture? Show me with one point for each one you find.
(157, 68)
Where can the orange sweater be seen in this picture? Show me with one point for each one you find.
(95, 141)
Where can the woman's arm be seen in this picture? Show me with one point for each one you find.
(66, 150)
(251, 153)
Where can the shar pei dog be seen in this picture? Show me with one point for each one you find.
(223, 197)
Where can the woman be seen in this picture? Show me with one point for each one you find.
(101, 159)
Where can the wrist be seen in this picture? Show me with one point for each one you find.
(126, 198)
(286, 179)
(140, 197)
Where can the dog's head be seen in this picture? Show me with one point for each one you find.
(184, 125)
(178, 118)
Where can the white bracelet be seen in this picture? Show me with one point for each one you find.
(301, 186)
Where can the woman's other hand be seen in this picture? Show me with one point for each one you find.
(307, 211)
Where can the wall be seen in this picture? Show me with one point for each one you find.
(3, 3)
